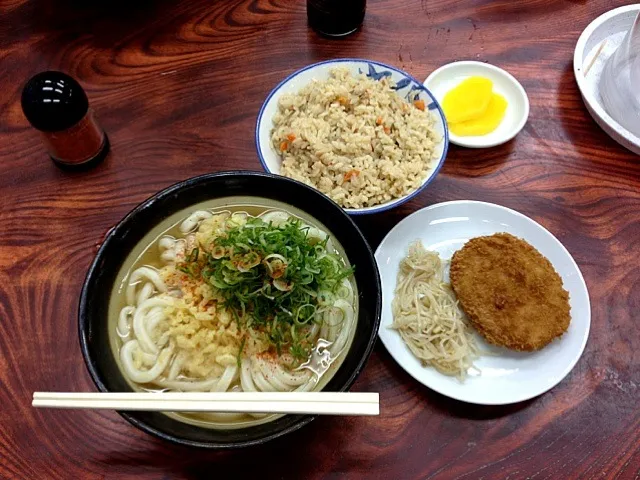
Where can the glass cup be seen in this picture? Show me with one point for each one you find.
(620, 81)
(336, 18)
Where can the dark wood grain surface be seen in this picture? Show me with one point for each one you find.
(177, 85)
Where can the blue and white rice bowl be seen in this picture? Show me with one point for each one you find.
(405, 85)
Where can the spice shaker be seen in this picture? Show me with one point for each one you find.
(336, 18)
(57, 106)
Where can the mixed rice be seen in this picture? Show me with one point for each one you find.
(354, 139)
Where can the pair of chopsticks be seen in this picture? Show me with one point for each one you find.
(315, 403)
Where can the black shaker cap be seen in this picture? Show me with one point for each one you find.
(53, 101)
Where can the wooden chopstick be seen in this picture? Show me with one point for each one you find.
(316, 403)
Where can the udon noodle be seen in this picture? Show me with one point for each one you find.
(427, 316)
(235, 302)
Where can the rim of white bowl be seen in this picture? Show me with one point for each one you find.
(376, 208)
(513, 80)
(591, 103)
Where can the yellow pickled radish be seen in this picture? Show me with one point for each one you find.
(487, 123)
(467, 101)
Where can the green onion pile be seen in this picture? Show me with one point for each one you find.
(275, 279)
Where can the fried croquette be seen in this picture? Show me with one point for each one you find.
(510, 292)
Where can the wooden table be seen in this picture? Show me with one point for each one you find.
(177, 85)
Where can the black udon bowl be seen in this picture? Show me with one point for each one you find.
(94, 301)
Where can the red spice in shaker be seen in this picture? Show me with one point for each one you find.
(56, 104)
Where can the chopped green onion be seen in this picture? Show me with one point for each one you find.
(240, 351)
(275, 279)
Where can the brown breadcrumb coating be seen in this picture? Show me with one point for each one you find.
(510, 292)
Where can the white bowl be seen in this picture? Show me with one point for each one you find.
(448, 76)
(611, 26)
(405, 85)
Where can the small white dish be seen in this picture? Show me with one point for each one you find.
(505, 376)
(448, 76)
(591, 54)
(406, 86)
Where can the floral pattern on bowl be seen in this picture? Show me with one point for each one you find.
(411, 95)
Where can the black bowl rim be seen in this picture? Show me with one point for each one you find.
(113, 232)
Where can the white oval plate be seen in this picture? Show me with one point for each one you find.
(406, 86)
(448, 76)
(506, 376)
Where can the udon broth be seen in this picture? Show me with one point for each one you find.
(180, 320)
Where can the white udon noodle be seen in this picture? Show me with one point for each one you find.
(141, 328)
(427, 316)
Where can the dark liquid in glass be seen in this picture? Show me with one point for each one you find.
(336, 17)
